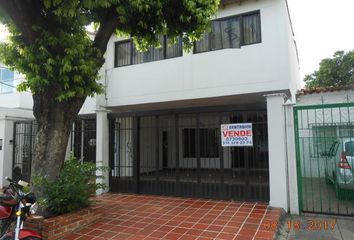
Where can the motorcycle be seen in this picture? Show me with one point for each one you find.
(16, 206)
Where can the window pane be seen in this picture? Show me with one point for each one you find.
(349, 148)
(203, 44)
(6, 81)
(323, 138)
(251, 29)
(6, 74)
(231, 33)
(216, 35)
(152, 54)
(174, 50)
(8, 88)
(123, 52)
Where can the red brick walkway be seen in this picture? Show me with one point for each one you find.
(157, 217)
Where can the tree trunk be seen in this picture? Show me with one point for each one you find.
(54, 120)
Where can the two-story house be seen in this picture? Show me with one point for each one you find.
(170, 111)
(208, 123)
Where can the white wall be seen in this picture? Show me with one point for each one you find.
(254, 68)
(293, 60)
(326, 98)
(278, 165)
(7, 119)
(16, 99)
(315, 165)
(22, 100)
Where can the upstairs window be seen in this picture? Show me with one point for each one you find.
(6, 80)
(231, 32)
(127, 54)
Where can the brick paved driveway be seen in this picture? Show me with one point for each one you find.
(157, 217)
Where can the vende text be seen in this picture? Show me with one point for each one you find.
(238, 133)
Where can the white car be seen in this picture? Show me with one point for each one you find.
(339, 167)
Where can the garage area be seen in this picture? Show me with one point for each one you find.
(325, 157)
(180, 154)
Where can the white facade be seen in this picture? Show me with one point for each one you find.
(265, 67)
(234, 76)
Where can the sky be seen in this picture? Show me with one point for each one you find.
(321, 27)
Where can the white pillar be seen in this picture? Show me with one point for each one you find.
(6, 134)
(102, 149)
(277, 151)
(291, 156)
(2, 152)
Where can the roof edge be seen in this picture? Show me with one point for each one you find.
(308, 91)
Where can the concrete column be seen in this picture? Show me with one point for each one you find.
(2, 152)
(277, 151)
(102, 149)
(6, 134)
(291, 156)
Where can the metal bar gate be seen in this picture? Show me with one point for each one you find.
(325, 158)
(181, 155)
(23, 145)
(82, 142)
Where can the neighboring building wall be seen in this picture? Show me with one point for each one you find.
(7, 119)
(323, 96)
(325, 120)
(13, 98)
(319, 118)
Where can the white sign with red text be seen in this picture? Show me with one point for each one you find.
(237, 135)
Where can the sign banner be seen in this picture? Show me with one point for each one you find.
(236, 135)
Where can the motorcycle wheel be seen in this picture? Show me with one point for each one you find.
(4, 226)
(7, 238)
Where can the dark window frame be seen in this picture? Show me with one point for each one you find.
(116, 49)
(165, 46)
(241, 17)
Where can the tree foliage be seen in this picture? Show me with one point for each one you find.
(336, 71)
(49, 44)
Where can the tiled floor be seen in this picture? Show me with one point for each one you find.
(157, 217)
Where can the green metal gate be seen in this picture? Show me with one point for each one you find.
(325, 158)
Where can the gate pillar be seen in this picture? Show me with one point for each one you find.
(277, 151)
(102, 143)
(5, 150)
